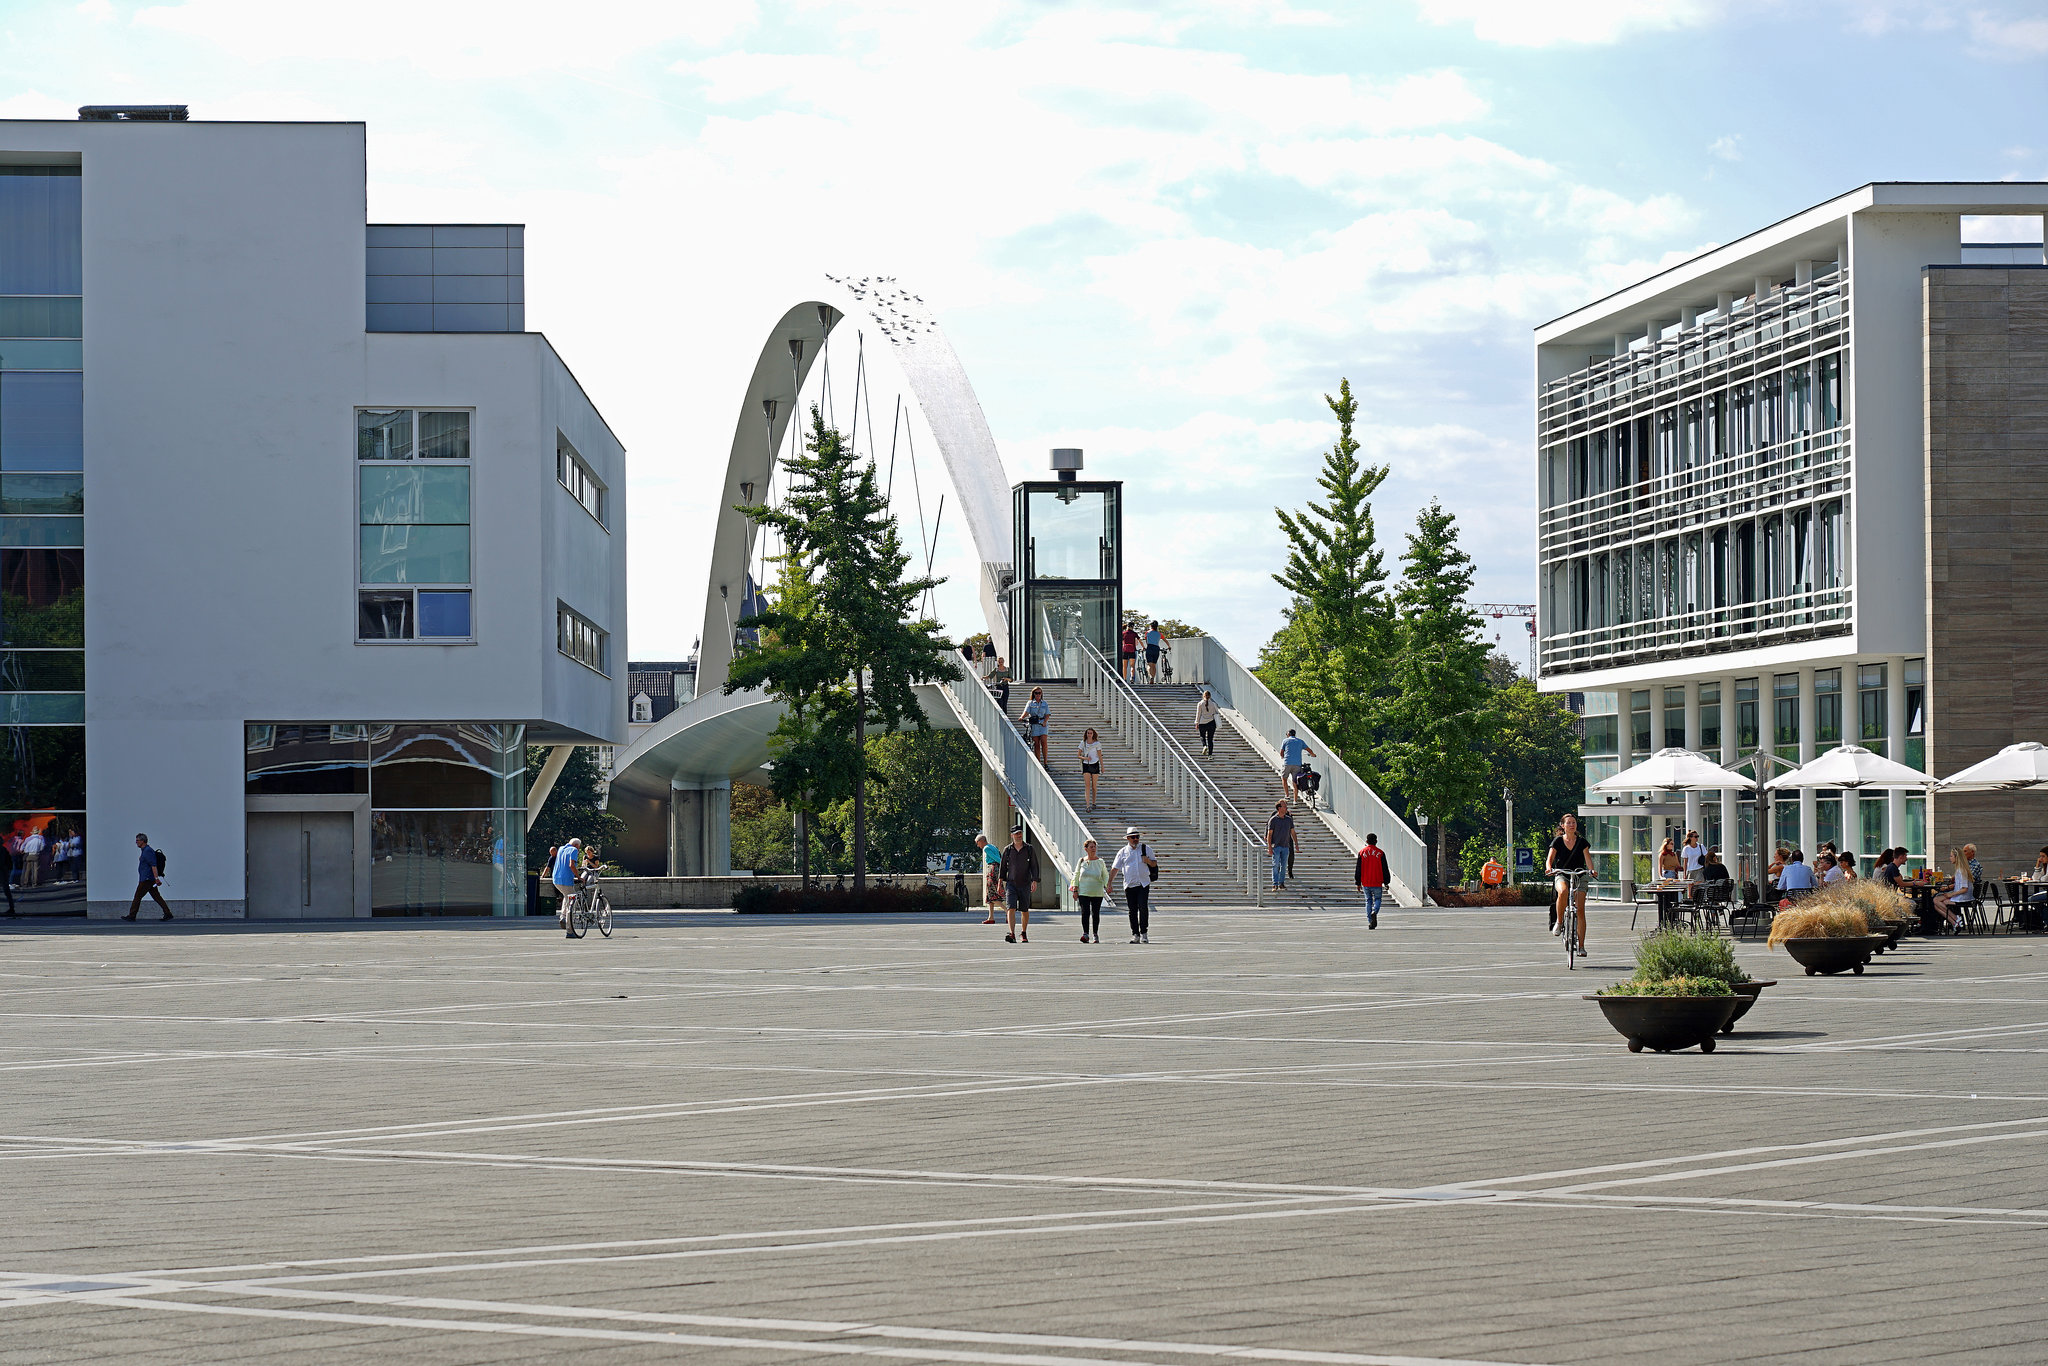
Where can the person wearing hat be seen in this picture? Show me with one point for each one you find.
(1135, 864)
(568, 864)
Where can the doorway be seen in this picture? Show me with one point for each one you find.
(301, 865)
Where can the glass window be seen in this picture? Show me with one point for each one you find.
(440, 862)
(384, 616)
(576, 476)
(42, 494)
(42, 670)
(46, 860)
(444, 615)
(34, 531)
(1916, 827)
(42, 420)
(1710, 717)
(42, 317)
(1073, 534)
(1059, 615)
(293, 759)
(444, 436)
(1827, 818)
(1872, 714)
(1827, 708)
(1785, 818)
(432, 766)
(413, 494)
(384, 434)
(1873, 818)
(577, 637)
(1747, 738)
(42, 766)
(1830, 391)
(1602, 735)
(42, 598)
(1674, 718)
(1916, 720)
(415, 554)
(39, 230)
(1785, 716)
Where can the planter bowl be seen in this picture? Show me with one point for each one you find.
(1663, 1023)
(1745, 997)
(1829, 956)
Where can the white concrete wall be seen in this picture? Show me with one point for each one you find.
(224, 358)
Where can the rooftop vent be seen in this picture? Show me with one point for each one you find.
(132, 113)
(1067, 460)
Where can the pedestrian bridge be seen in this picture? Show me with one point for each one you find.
(1204, 814)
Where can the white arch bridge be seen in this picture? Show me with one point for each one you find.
(1204, 814)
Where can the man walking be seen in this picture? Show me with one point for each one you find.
(1372, 879)
(991, 876)
(1205, 723)
(1019, 870)
(1135, 864)
(149, 875)
(1280, 839)
(1292, 751)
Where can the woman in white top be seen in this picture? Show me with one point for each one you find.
(1091, 764)
(1962, 894)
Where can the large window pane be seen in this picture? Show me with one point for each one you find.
(444, 616)
(42, 708)
(42, 598)
(411, 494)
(429, 766)
(40, 531)
(435, 862)
(384, 616)
(444, 436)
(1072, 534)
(39, 230)
(299, 759)
(42, 670)
(42, 767)
(384, 434)
(42, 421)
(45, 854)
(42, 494)
(1058, 615)
(47, 317)
(415, 554)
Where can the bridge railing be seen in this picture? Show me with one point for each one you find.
(1221, 825)
(1351, 808)
(1059, 828)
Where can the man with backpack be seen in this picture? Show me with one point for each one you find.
(1371, 876)
(1135, 864)
(149, 874)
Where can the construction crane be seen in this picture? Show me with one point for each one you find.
(1524, 610)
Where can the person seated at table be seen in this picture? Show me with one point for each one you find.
(1796, 876)
(1846, 865)
(1778, 863)
(2036, 909)
(1976, 868)
(1884, 870)
(1712, 869)
(1962, 894)
(1825, 868)
(1669, 864)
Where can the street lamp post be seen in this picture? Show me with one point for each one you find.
(1507, 795)
(1428, 859)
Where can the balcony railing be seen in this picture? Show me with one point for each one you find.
(1804, 615)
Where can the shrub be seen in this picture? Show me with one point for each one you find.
(763, 898)
(1677, 954)
(1818, 918)
(1670, 986)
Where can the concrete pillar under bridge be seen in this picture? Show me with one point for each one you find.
(699, 829)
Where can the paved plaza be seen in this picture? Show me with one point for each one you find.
(1262, 1137)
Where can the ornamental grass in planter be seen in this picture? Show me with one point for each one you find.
(1829, 932)
(1687, 988)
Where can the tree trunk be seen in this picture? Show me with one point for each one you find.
(1443, 853)
(860, 782)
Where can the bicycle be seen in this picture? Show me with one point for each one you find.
(1569, 913)
(588, 907)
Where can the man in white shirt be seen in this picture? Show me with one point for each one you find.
(1135, 864)
(1691, 855)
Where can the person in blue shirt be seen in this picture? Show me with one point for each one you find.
(1292, 751)
(1796, 877)
(991, 877)
(568, 863)
(147, 880)
(1152, 643)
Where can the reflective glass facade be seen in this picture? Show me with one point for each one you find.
(1069, 568)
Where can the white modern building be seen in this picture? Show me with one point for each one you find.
(302, 536)
(1785, 490)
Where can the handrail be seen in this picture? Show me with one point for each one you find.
(1206, 805)
(1353, 809)
(1061, 831)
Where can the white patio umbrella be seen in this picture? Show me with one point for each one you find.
(2015, 767)
(1672, 770)
(1851, 766)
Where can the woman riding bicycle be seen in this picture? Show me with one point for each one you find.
(1567, 854)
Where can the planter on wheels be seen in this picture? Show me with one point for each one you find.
(1745, 997)
(1663, 1023)
(1832, 955)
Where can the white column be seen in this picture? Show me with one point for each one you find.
(1692, 742)
(1808, 817)
(1626, 741)
(995, 808)
(1895, 741)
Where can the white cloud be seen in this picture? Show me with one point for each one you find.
(2013, 38)
(1727, 147)
(1550, 23)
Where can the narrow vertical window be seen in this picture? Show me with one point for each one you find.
(413, 553)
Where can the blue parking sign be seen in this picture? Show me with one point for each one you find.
(1525, 858)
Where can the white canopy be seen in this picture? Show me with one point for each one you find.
(2024, 765)
(1672, 770)
(1851, 766)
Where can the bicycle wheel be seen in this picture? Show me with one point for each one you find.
(576, 922)
(604, 916)
(1571, 935)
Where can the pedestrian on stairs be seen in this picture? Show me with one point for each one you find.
(1037, 719)
(1091, 763)
(1153, 640)
(1135, 864)
(1091, 884)
(1205, 724)
(1293, 751)
(1127, 653)
(1371, 876)
(1280, 839)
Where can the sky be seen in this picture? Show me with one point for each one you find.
(1160, 232)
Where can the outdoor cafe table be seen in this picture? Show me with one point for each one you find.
(2022, 888)
(1665, 894)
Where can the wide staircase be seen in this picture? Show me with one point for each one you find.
(1129, 795)
(1251, 781)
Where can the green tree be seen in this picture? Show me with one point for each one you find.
(840, 645)
(1329, 661)
(575, 806)
(926, 799)
(1440, 711)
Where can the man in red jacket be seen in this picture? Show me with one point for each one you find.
(1371, 877)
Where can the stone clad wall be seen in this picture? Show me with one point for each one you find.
(1986, 454)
